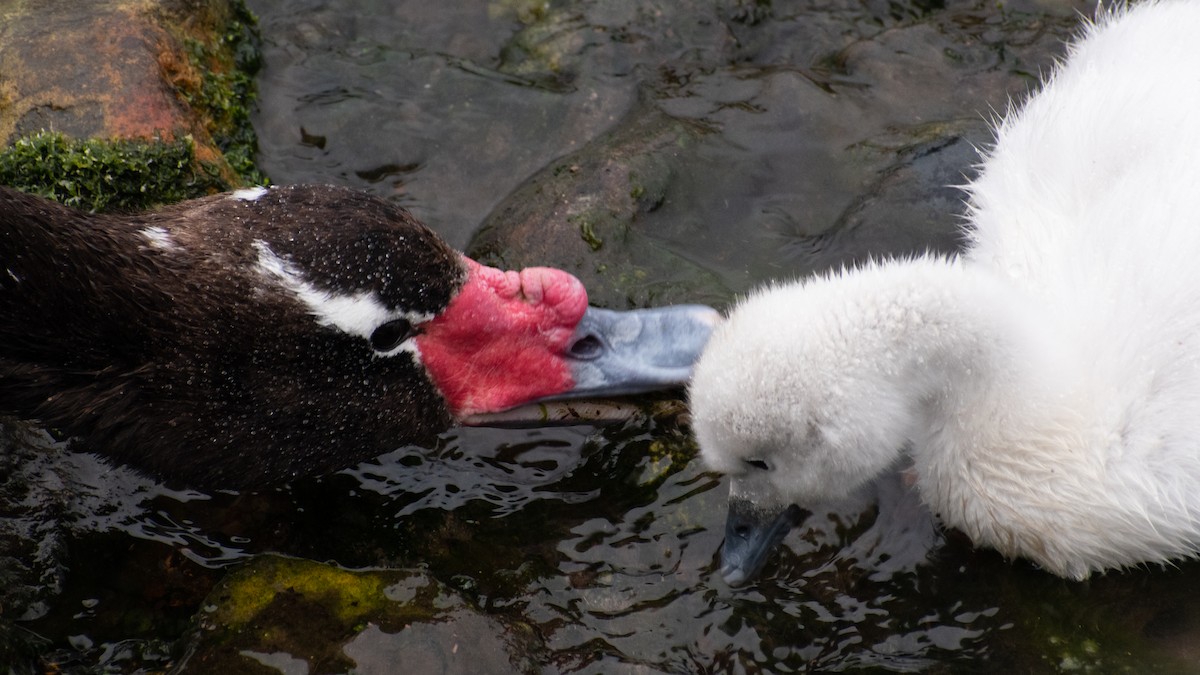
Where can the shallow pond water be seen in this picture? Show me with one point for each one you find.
(830, 129)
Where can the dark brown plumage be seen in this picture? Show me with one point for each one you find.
(158, 339)
(250, 338)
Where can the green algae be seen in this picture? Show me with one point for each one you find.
(108, 175)
(300, 607)
(348, 595)
(224, 91)
(587, 230)
(325, 618)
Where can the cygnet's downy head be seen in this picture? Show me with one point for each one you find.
(787, 404)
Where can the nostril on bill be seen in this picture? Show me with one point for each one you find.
(586, 347)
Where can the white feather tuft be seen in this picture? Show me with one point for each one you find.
(358, 314)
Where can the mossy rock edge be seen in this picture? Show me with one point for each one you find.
(165, 117)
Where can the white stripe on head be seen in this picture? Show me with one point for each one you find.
(358, 314)
(159, 238)
(248, 194)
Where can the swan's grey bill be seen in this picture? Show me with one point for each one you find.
(751, 533)
(616, 353)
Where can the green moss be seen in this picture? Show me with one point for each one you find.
(545, 52)
(350, 596)
(100, 175)
(525, 11)
(275, 604)
(587, 230)
(225, 92)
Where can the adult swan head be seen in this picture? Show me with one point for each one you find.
(243, 339)
(1047, 381)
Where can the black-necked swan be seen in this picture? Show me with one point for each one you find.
(254, 337)
(1047, 380)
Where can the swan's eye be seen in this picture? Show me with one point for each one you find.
(389, 335)
(757, 464)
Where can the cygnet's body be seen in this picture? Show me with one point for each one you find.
(1048, 382)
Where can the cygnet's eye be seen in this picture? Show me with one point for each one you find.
(389, 335)
(757, 464)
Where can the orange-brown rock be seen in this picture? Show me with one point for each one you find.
(109, 69)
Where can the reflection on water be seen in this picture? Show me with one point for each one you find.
(478, 465)
(604, 540)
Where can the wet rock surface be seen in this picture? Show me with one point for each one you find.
(582, 212)
(792, 166)
(116, 90)
(103, 103)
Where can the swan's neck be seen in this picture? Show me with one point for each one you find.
(954, 340)
(987, 381)
(978, 349)
(988, 368)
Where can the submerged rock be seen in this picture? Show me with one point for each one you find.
(781, 162)
(287, 615)
(584, 213)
